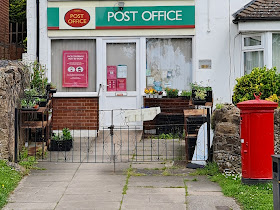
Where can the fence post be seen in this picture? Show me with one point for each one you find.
(16, 136)
(112, 135)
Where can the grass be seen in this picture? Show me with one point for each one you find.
(9, 179)
(258, 196)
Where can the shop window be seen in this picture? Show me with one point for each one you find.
(276, 51)
(253, 52)
(169, 63)
(58, 47)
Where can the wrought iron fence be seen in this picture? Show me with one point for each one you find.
(127, 142)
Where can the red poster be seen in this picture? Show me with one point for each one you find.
(111, 72)
(75, 69)
(121, 84)
(112, 84)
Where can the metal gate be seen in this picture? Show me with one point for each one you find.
(167, 137)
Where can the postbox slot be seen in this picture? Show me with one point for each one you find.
(275, 167)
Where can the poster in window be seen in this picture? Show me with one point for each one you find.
(122, 71)
(121, 84)
(111, 72)
(75, 69)
(112, 84)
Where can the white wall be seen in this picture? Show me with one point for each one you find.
(219, 42)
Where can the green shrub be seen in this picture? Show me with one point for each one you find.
(260, 80)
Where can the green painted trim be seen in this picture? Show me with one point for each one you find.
(145, 16)
(53, 17)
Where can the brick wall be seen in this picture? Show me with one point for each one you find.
(4, 28)
(4, 21)
(75, 113)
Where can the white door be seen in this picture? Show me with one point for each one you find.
(120, 81)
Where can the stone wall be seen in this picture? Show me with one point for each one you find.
(13, 80)
(277, 131)
(226, 141)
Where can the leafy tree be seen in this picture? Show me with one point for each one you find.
(260, 80)
(17, 11)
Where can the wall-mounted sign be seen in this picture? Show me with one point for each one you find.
(205, 64)
(128, 18)
(111, 72)
(121, 84)
(145, 17)
(75, 69)
(71, 18)
(77, 18)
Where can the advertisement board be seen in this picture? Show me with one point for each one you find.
(75, 69)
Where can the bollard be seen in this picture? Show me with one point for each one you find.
(276, 181)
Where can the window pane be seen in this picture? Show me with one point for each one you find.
(252, 60)
(252, 41)
(123, 54)
(169, 63)
(57, 47)
(276, 51)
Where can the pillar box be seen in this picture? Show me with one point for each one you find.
(257, 139)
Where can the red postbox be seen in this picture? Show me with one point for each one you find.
(257, 139)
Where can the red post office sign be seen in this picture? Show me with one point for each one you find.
(75, 69)
(77, 18)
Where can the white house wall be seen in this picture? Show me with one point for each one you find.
(218, 41)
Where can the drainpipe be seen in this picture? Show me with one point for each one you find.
(38, 29)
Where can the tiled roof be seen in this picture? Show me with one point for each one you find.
(258, 10)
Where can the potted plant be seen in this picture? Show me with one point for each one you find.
(171, 93)
(200, 96)
(52, 88)
(160, 93)
(62, 143)
(147, 92)
(28, 105)
(209, 94)
(38, 78)
(42, 102)
(186, 94)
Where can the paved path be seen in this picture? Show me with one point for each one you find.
(95, 186)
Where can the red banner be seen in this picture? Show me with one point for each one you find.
(75, 69)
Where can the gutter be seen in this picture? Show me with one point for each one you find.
(235, 21)
(38, 30)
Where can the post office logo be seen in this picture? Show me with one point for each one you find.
(77, 18)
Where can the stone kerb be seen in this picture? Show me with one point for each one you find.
(13, 80)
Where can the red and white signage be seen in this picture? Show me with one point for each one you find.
(111, 72)
(112, 84)
(77, 18)
(75, 69)
(121, 84)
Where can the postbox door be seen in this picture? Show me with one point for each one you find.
(245, 150)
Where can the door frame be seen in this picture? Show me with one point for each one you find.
(102, 73)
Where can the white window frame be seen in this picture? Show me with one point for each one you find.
(253, 49)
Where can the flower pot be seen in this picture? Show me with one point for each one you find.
(42, 103)
(53, 90)
(199, 102)
(61, 145)
(159, 96)
(209, 96)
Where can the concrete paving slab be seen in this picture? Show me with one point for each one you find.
(202, 184)
(30, 206)
(164, 206)
(88, 205)
(95, 197)
(210, 202)
(153, 190)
